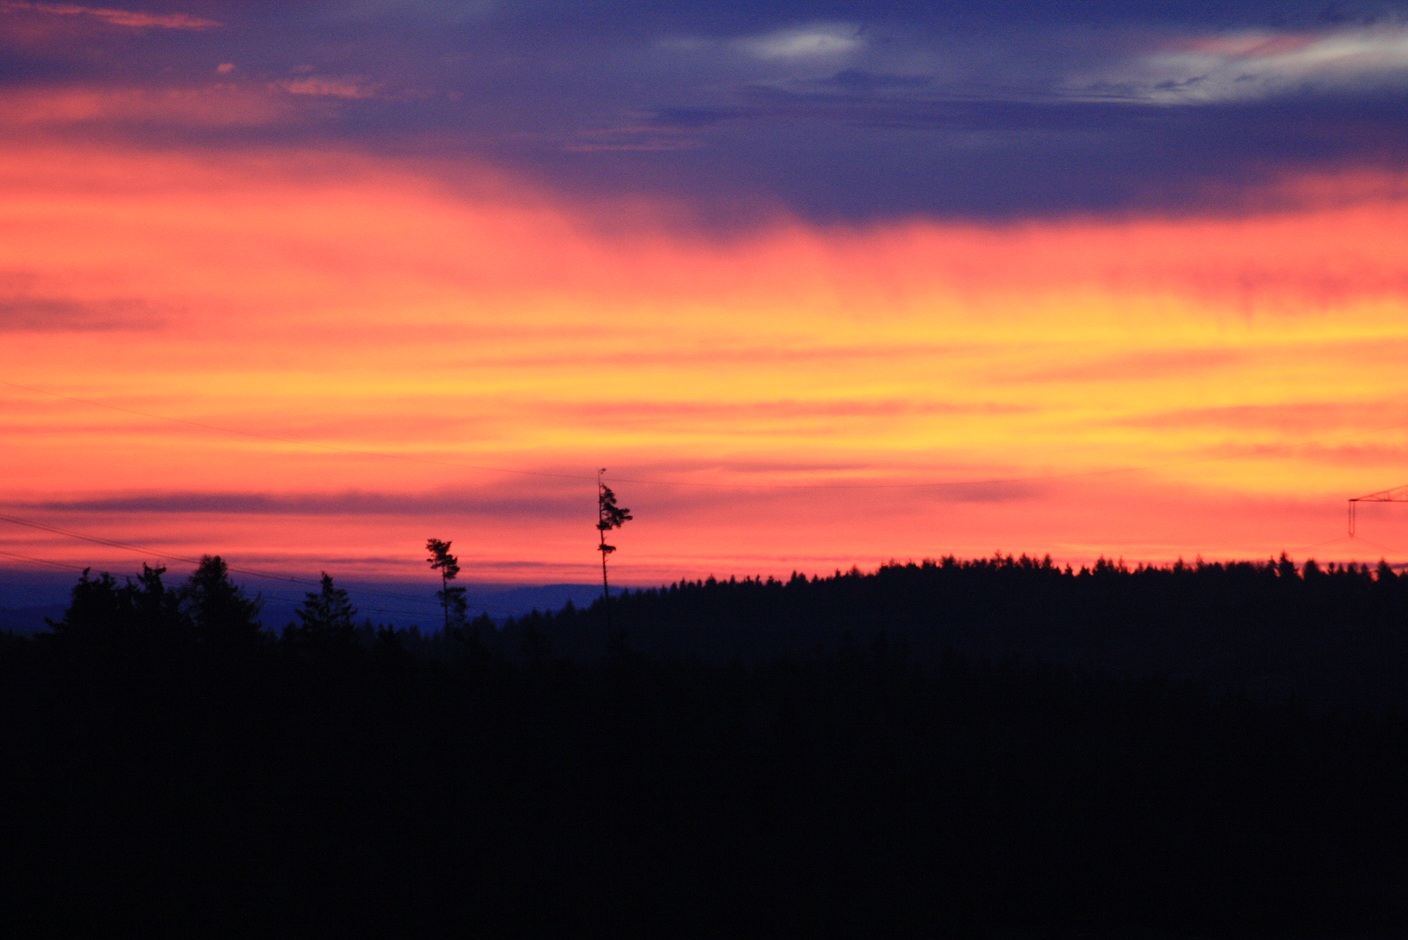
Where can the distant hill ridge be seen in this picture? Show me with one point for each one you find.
(1337, 633)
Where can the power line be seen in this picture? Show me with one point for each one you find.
(41, 561)
(1306, 548)
(249, 572)
(70, 569)
(1387, 548)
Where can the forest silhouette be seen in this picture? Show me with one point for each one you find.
(999, 747)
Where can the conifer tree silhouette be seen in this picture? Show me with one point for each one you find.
(97, 607)
(609, 516)
(219, 609)
(155, 607)
(326, 615)
(451, 598)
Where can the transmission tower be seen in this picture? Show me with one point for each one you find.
(1399, 494)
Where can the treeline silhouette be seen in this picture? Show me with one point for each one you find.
(857, 755)
(1331, 635)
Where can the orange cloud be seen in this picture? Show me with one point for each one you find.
(797, 397)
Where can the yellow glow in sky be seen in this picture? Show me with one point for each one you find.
(318, 361)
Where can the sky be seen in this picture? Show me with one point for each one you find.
(818, 284)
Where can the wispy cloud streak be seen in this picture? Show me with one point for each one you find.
(112, 16)
(1255, 65)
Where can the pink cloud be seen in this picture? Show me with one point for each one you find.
(220, 105)
(1247, 45)
(131, 19)
(326, 88)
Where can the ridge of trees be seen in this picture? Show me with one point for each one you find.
(208, 608)
(1336, 634)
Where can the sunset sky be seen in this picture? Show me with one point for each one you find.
(820, 284)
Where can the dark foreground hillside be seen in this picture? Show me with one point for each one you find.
(194, 781)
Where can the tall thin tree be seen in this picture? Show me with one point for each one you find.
(451, 598)
(609, 516)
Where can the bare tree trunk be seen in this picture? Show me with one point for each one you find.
(445, 600)
(605, 588)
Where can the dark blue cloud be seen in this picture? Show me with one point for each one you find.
(831, 111)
